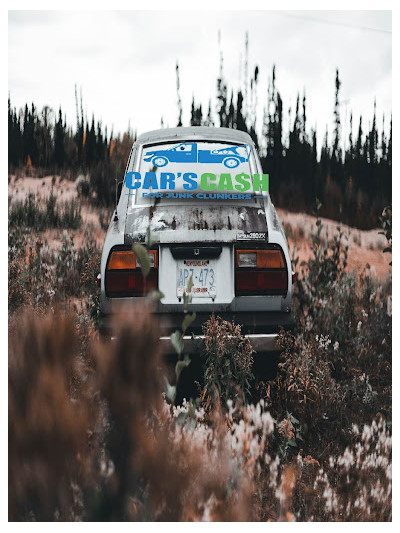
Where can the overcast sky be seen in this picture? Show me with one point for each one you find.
(125, 61)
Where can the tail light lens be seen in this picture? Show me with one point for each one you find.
(260, 272)
(260, 259)
(124, 276)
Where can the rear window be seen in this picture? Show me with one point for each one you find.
(195, 171)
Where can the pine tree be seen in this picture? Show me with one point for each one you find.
(336, 150)
(372, 156)
(230, 120)
(192, 113)
(254, 102)
(358, 157)
(28, 136)
(196, 116)
(383, 141)
(90, 144)
(80, 130)
(246, 70)
(349, 157)
(294, 142)
(209, 120)
(178, 86)
(303, 122)
(373, 140)
(351, 136)
(325, 159)
(43, 135)
(15, 145)
(240, 121)
(199, 116)
(314, 162)
(221, 89)
(59, 141)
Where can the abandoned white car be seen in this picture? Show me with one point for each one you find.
(201, 194)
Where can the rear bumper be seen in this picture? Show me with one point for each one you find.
(252, 322)
(262, 328)
(260, 342)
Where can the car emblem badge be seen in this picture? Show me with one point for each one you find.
(196, 251)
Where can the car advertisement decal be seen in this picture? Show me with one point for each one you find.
(229, 156)
(196, 170)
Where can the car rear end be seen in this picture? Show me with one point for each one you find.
(234, 252)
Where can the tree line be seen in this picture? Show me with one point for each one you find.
(352, 177)
(353, 180)
(43, 141)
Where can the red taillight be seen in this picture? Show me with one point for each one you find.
(260, 272)
(124, 276)
(261, 281)
(130, 282)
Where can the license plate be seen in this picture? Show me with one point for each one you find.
(203, 276)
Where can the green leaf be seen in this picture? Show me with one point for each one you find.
(156, 295)
(190, 284)
(180, 365)
(185, 420)
(190, 423)
(170, 391)
(187, 299)
(177, 341)
(181, 418)
(192, 410)
(142, 257)
(187, 321)
(292, 442)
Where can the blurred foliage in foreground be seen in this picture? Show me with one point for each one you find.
(91, 436)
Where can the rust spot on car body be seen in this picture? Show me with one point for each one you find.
(178, 222)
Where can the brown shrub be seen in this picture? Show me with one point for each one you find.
(229, 360)
(160, 473)
(305, 385)
(47, 431)
(90, 436)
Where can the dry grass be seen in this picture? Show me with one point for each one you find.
(92, 436)
(48, 444)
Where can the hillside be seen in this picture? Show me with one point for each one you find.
(365, 247)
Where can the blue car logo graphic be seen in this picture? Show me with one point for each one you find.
(189, 153)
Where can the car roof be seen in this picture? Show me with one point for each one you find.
(194, 133)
